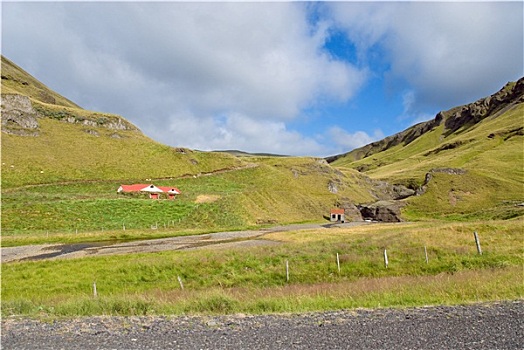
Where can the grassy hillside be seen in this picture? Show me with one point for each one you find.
(66, 152)
(62, 165)
(489, 152)
(271, 191)
(16, 81)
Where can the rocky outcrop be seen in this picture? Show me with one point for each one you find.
(471, 114)
(351, 211)
(18, 115)
(383, 190)
(451, 171)
(387, 207)
(90, 119)
(333, 185)
(383, 211)
(448, 146)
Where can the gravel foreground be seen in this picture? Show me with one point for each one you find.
(479, 326)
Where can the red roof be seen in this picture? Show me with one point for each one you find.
(148, 188)
(133, 188)
(169, 189)
(337, 211)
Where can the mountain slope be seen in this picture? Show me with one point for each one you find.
(47, 138)
(455, 121)
(16, 81)
(484, 140)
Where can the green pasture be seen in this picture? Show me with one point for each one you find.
(85, 208)
(253, 280)
(468, 197)
(269, 192)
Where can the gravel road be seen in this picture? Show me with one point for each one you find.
(216, 240)
(481, 326)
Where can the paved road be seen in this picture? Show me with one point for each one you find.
(482, 326)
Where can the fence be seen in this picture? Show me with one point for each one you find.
(422, 255)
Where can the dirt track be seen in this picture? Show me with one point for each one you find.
(482, 326)
(211, 240)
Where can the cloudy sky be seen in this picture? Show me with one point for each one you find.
(298, 78)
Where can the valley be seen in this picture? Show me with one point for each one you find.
(251, 233)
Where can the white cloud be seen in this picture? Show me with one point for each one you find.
(410, 114)
(184, 63)
(446, 51)
(239, 132)
(348, 141)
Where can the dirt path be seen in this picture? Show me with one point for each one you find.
(217, 240)
(183, 176)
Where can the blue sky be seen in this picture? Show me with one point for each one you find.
(297, 78)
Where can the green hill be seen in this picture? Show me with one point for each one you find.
(482, 140)
(61, 166)
(47, 139)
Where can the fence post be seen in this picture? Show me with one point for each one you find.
(287, 271)
(477, 242)
(426, 254)
(386, 258)
(95, 294)
(180, 282)
(338, 263)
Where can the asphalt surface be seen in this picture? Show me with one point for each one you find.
(481, 326)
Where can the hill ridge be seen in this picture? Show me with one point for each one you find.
(16, 80)
(48, 139)
(454, 119)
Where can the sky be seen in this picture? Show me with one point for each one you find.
(294, 78)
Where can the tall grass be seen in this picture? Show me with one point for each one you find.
(254, 279)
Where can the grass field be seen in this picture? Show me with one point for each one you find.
(254, 280)
(289, 190)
